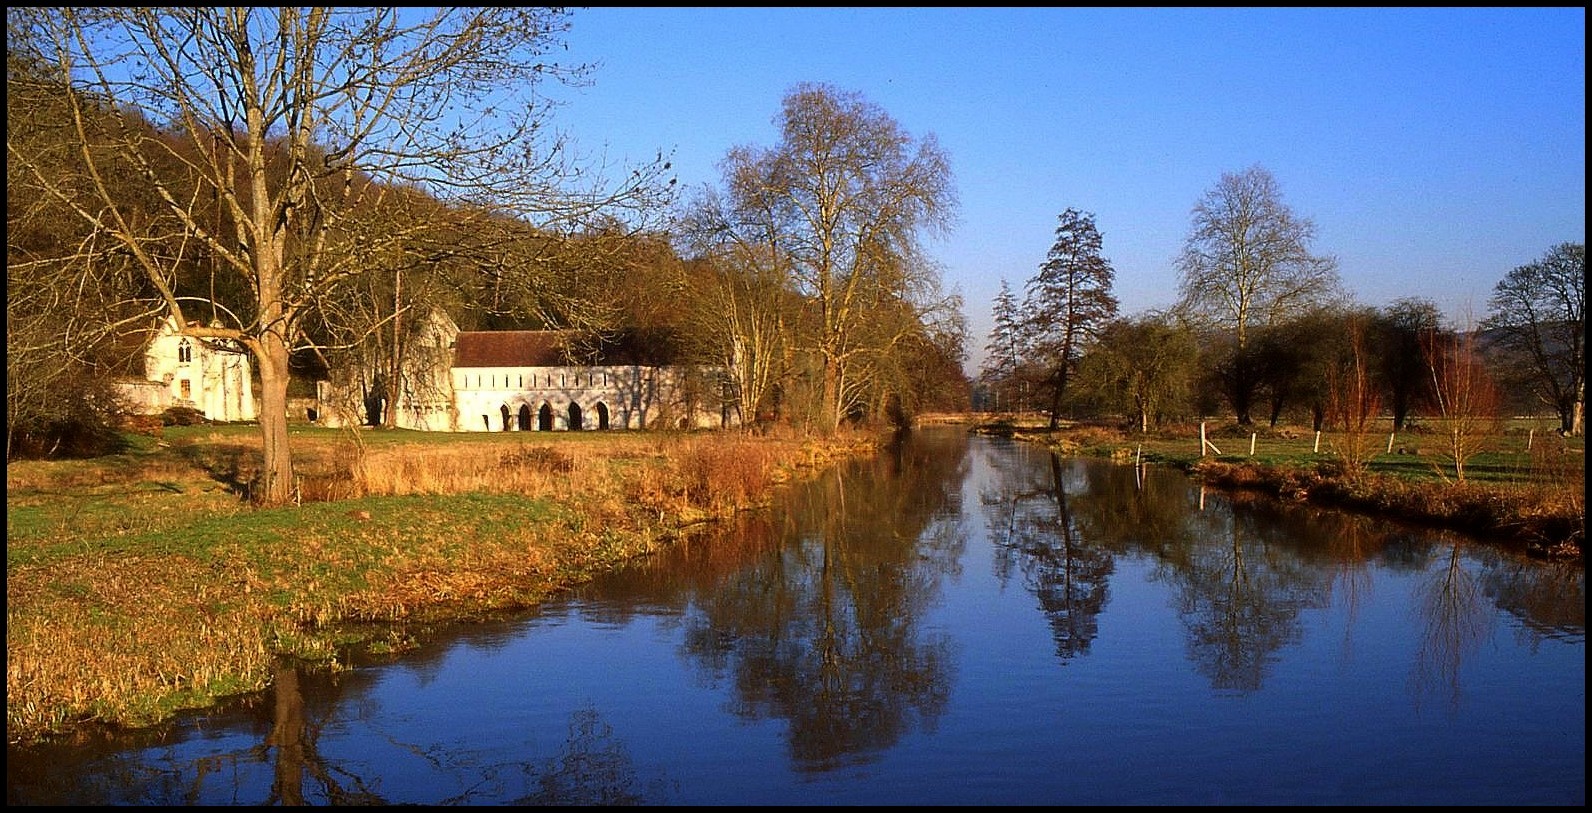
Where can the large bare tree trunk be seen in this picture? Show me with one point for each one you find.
(276, 476)
(274, 331)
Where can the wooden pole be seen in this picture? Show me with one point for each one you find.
(1390, 442)
(1252, 443)
(1317, 447)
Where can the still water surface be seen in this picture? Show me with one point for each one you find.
(961, 621)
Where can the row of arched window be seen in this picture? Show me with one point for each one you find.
(545, 418)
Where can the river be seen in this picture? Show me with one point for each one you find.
(961, 620)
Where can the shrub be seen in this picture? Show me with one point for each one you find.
(182, 416)
(85, 422)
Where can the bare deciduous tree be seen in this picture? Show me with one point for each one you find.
(1248, 262)
(66, 285)
(752, 311)
(1540, 308)
(1464, 393)
(744, 309)
(912, 355)
(1354, 399)
(288, 120)
(839, 203)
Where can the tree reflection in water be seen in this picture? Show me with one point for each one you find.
(826, 633)
(1035, 533)
(595, 769)
(297, 761)
(1241, 597)
(1456, 623)
(1065, 520)
(1244, 566)
(1548, 598)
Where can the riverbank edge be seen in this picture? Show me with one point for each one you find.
(1493, 514)
(340, 630)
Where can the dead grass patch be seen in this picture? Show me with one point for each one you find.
(143, 585)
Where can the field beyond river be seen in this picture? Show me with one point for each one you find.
(1522, 486)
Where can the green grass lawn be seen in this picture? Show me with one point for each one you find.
(1526, 451)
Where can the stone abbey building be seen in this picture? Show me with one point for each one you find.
(174, 370)
(452, 381)
(527, 381)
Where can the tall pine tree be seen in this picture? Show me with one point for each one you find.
(1067, 303)
(1004, 353)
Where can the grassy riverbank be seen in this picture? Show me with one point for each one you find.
(1526, 487)
(140, 584)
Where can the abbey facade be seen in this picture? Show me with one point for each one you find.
(525, 381)
(452, 381)
(181, 371)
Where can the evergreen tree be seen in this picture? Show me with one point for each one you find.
(1068, 302)
(1005, 351)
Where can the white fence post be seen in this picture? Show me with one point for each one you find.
(1204, 443)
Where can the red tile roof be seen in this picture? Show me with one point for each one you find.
(512, 348)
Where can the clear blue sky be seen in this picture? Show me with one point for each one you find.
(1435, 149)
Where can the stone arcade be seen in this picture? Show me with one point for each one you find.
(526, 381)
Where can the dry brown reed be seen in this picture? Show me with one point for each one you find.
(150, 606)
(97, 658)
